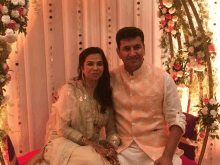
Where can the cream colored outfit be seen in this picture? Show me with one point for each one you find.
(146, 105)
(74, 115)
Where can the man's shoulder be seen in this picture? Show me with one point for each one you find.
(115, 71)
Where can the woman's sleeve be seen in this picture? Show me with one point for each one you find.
(68, 113)
(111, 134)
(172, 108)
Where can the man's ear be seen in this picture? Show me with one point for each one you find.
(118, 52)
(144, 49)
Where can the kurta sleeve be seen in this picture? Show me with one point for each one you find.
(172, 108)
(111, 134)
(67, 113)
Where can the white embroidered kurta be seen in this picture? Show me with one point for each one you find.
(146, 105)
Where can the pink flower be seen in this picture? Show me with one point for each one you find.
(168, 16)
(11, 25)
(199, 60)
(1, 7)
(176, 66)
(7, 69)
(170, 28)
(163, 23)
(202, 134)
(20, 11)
(175, 77)
(211, 48)
(8, 77)
(205, 100)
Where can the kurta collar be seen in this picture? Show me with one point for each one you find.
(137, 72)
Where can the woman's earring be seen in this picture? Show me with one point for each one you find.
(83, 78)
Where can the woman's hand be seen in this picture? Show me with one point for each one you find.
(106, 144)
(109, 154)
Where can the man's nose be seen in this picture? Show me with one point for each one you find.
(132, 52)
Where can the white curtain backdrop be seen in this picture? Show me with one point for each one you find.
(48, 55)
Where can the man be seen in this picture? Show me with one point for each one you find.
(149, 118)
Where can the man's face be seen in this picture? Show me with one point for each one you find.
(132, 53)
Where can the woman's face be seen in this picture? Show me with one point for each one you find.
(93, 67)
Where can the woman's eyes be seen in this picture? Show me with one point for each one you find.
(98, 64)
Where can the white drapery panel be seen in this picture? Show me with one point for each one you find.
(48, 55)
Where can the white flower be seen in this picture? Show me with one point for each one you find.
(15, 2)
(200, 54)
(21, 2)
(200, 67)
(197, 43)
(4, 10)
(167, 4)
(164, 11)
(191, 38)
(7, 76)
(191, 49)
(175, 18)
(6, 19)
(2, 79)
(180, 73)
(204, 111)
(213, 113)
(172, 10)
(173, 32)
(10, 36)
(15, 13)
(171, 23)
(163, 17)
(4, 65)
(212, 101)
(181, 86)
(214, 124)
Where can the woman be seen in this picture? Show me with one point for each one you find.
(84, 106)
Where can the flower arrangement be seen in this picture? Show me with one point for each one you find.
(177, 68)
(13, 20)
(167, 14)
(208, 117)
(196, 48)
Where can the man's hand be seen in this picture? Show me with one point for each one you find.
(164, 160)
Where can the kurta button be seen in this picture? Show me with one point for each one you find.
(132, 81)
(131, 95)
(134, 138)
(133, 123)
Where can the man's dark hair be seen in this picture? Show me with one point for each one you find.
(128, 33)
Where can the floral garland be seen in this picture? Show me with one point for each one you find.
(208, 118)
(13, 20)
(191, 55)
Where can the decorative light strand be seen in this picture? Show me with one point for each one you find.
(79, 25)
(109, 24)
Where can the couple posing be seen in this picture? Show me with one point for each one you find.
(137, 103)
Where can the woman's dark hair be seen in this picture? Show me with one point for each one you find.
(103, 91)
(128, 33)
